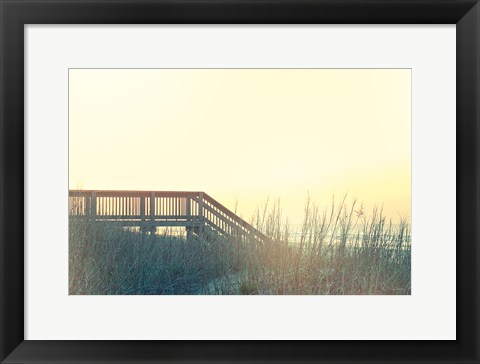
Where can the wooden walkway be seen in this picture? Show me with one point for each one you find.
(196, 211)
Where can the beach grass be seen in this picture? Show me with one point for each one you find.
(339, 250)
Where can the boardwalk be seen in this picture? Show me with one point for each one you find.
(196, 211)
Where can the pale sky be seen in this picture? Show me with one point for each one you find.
(245, 134)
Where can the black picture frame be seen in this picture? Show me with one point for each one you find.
(15, 14)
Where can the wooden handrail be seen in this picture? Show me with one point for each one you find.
(158, 208)
(124, 193)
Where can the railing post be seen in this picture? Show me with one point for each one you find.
(188, 217)
(152, 213)
(252, 236)
(200, 205)
(187, 207)
(200, 211)
(88, 208)
(142, 213)
(93, 212)
(152, 206)
(142, 208)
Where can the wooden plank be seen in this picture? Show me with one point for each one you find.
(142, 208)
(200, 205)
(187, 207)
(152, 206)
(94, 204)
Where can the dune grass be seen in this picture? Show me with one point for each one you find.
(339, 251)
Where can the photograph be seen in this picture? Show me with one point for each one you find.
(239, 181)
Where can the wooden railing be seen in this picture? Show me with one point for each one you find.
(150, 209)
(228, 222)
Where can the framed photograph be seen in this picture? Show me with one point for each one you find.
(239, 181)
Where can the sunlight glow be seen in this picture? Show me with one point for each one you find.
(245, 134)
